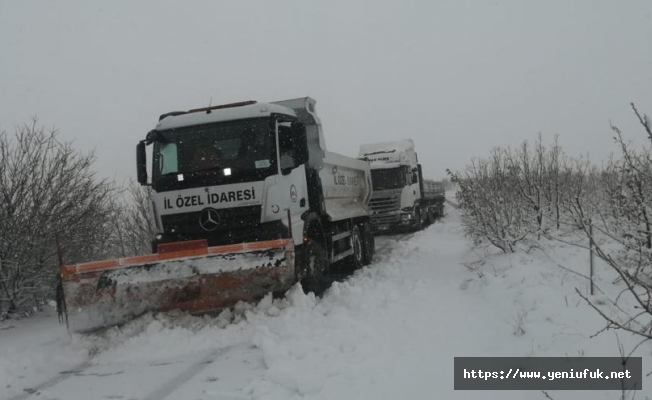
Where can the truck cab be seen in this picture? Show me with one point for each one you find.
(214, 169)
(400, 199)
(251, 172)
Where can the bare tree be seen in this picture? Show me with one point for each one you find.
(134, 226)
(624, 220)
(519, 196)
(46, 189)
(515, 197)
(489, 207)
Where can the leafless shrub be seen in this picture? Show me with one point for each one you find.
(624, 219)
(46, 188)
(514, 197)
(134, 227)
(488, 211)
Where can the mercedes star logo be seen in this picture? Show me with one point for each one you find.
(209, 219)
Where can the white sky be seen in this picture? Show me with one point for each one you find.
(456, 76)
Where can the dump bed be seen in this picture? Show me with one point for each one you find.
(347, 186)
(346, 181)
(433, 190)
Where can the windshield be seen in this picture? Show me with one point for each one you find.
(211, 154)
(390, 178)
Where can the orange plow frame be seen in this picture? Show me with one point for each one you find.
(169, 251)
(189, 276)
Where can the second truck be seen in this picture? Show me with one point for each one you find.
(247, 201)
(402, 198)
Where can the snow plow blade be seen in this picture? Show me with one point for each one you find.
(188, 276)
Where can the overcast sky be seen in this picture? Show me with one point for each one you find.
(458, 77)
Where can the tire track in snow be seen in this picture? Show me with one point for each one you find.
(165, 390)
(63, 376)
(75, 371)
(162, 392)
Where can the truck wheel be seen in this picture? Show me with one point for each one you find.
(369, 244)
(419, 219)
(315, 259)
(356, 261)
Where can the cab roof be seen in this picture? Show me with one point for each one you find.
(226, 112)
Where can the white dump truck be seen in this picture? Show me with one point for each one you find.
(247, 201)
(402, 198)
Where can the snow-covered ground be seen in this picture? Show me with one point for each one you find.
(390, 331)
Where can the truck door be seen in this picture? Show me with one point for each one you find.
(292, 185)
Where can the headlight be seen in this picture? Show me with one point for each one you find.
(406, 217)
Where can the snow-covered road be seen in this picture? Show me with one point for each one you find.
(390, 331)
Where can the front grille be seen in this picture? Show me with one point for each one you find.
(386, 201)
(385, 219)
(385, 206)
(230, 219)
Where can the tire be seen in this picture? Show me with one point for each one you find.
(419, 220)
(315, 261)
(432, 217)
(356, 260)
(369, 244)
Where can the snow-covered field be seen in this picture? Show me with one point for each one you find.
(390, 331)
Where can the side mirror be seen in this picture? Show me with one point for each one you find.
(300, 143)
(141, 163)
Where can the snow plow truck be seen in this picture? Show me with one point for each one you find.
(247, 201)
(402, 198)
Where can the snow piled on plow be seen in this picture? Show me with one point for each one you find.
(390, 331)
(214, 264)
(115, 296)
